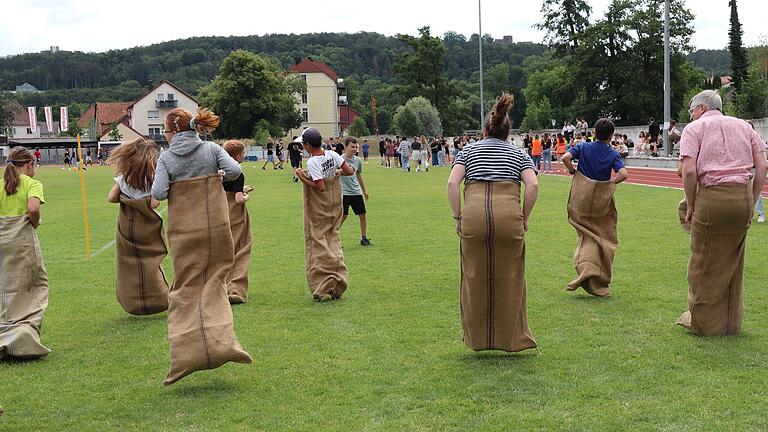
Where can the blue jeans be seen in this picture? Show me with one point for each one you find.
(537, 162)
(404, 161)
(435, 161)
(547, 155)
(759, 207)
(441, 158)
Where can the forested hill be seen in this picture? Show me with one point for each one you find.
(191, 63)
(715, 62)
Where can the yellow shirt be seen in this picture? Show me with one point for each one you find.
(16, 204)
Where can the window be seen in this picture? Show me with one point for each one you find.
(305, 114)
(154, 130)
(171, 96)
(160, 97)
(303, 98)
(153, 114)
(29, 131)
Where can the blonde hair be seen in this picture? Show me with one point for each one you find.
(17, 158)
(234, 148)
(423, 140)
(181, 120)
(136, 162)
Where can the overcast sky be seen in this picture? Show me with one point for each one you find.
(100, 25)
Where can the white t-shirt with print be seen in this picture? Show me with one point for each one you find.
(325, 166)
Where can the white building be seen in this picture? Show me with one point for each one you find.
(148, 112)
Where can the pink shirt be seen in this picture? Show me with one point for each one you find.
(725, 148)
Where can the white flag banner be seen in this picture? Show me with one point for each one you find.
(48, 118)
(64, 120)
(32, 119)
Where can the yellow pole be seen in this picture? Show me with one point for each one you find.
(85, 205)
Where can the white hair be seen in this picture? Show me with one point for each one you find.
(709, 98)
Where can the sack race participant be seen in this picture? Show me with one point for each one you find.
(718, 153)
(24, 280)
(200, 327)
(592, 209)
(327, 275)
(240, 226)
(491, 229)
(139, 241)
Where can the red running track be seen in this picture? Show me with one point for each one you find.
(658, 177)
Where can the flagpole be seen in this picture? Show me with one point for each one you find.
(667, 89)
(85, 204)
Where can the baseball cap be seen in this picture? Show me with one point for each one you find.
(310, 136)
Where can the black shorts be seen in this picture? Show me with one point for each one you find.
(356, 201)
(295, 162)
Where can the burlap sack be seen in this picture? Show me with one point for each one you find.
(494, 312)
(592, 212)
(716, 268)
(682, 210)
(23, 289)
(139, 250)
(324, 259)
(240, 226)
(200, 327)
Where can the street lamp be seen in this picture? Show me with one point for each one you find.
(480, 45)
(667, 109)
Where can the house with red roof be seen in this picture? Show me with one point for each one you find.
(324, 105)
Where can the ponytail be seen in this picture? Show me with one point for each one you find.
(497, 123)
(181, 120)
(17, 158)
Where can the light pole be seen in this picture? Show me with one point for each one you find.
(480, 45)
(554, 122)
(667, 89)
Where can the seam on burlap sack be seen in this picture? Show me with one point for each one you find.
(490, 269)
(205, 276)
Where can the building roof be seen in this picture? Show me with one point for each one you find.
(308, 65)
(152, 90)
(107, 113)
(20, 116)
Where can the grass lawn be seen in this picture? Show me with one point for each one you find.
(389, 355)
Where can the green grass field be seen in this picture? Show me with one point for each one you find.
(389, 355)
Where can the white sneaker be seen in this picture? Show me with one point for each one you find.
(760, 219)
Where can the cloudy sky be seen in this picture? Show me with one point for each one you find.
(100, 25)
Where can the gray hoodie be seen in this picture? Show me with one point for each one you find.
(187, 157)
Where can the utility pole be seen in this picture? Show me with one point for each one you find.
(667, 89)
(480, 45)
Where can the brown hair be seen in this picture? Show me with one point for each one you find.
(497, 121)
(17, 158)
(136, 162)
(348, 140)
(234, 148)
(181, 120)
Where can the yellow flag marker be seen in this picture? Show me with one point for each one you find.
(85, 205)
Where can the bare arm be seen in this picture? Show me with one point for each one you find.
(154, 203)
(567, 158)
(530, 195)
(114, 194)
(346, 169)
(690, 184)
(33, 211)
(622, 175)
(454, 194)
(761, 168)
(302, 175)
(362, 185)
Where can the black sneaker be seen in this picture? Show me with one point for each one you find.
(295, 179)
(366, 242)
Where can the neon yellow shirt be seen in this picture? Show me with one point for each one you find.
(16, 204)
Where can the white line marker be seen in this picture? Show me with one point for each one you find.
(107, 246)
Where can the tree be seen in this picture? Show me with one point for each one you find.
(429, 117)
(739, 64)
(251, 95)
(358, 128)
(538, 115)
(406, 122)
(114, 134)
(751, 100)
(421, 71)
(7, 113)
(564, 21)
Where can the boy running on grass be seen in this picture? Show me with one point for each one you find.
(327, 275)
(353, 189)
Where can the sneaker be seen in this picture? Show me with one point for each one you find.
(264, 168)
(365, 242)
(760, 219)
(295, 179)
(409, 169)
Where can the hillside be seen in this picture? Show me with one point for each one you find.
(714, 62)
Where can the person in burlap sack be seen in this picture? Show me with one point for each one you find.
(240, 225)
(140, 247)
(200, 324)
(592, 209)
(718, 153)
(23, 278)
(327, 274)
(491, 228)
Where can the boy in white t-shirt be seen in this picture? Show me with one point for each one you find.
(327, 274)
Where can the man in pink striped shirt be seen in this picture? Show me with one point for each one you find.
(718, 153)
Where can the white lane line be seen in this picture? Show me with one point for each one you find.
(109, 245)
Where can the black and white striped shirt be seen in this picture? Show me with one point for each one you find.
(493, 160)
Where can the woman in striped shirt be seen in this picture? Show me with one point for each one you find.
(491, 229)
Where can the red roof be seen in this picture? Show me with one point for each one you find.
(308, 65)
(108, 113)
(20, 115)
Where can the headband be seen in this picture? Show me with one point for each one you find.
(192, 123)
